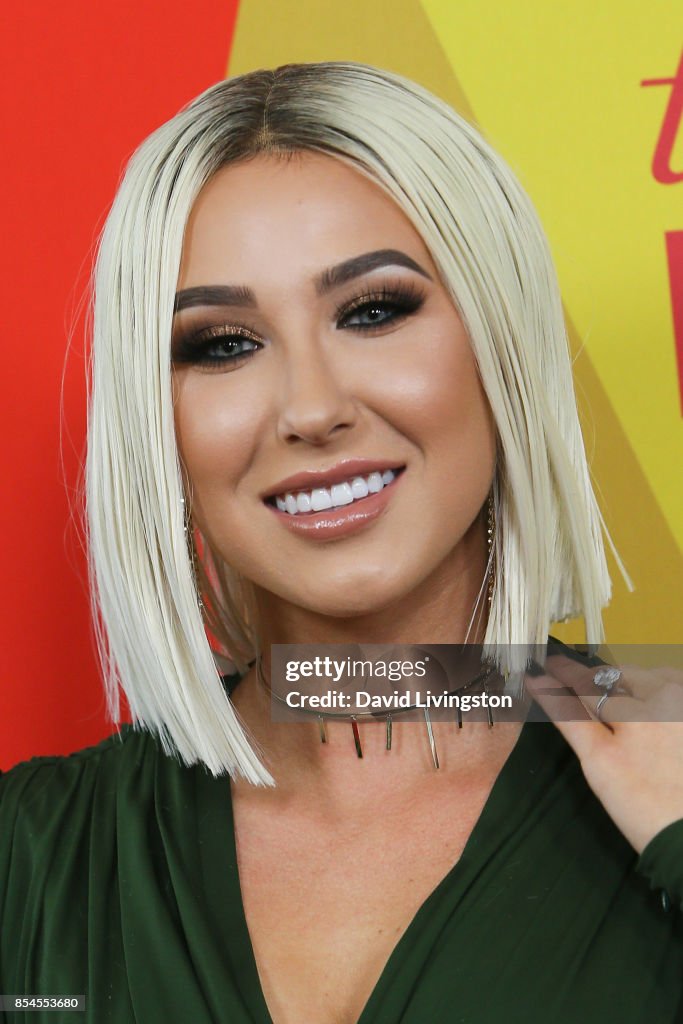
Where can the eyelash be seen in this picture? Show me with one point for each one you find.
(406, 298)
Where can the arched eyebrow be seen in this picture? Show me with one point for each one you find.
(333, 277)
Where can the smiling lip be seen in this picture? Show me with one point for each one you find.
(344, 470)
(338, 522)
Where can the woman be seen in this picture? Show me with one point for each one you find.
(332, 403)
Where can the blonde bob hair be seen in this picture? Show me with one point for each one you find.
(484, 237)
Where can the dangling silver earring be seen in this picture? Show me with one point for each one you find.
(490, 534)
(188, 529)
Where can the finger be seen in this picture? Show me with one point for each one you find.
(581, 678)
(565, 710)
(666, 705)
(640, 683)
(559, 701)
(616, 708)
(572, 668)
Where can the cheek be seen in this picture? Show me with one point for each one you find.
(216, 435)
(440, 404)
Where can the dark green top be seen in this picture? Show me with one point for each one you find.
(118, 880)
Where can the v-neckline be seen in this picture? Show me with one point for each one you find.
(504, 809)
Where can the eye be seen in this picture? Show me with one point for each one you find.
(220, 347)
(375, 310)
(370, 314)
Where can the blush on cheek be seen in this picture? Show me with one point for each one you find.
(216, 434)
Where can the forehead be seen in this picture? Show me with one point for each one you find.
(290, 215)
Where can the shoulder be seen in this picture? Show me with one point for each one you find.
(38, 774)
(67, 821)
(65, 824)
(96, 751)
(44, 799)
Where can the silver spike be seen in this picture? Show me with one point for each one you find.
(430, 733)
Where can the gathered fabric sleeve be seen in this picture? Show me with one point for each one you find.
(58, 878)
(661, 862)
(103, 891)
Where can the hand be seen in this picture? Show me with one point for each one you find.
(632, 757)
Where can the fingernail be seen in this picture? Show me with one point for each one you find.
(557, 647)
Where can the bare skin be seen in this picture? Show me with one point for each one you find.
(335, 862)
(312, 386)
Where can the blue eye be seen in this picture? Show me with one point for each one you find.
(386, 306)
(375, 312)
(205, 347)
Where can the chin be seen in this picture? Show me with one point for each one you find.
(359, 596)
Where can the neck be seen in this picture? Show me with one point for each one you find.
(438, 611)
(331, 776)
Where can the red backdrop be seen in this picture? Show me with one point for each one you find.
(84, 83)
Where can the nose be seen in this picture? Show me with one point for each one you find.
(314, 402)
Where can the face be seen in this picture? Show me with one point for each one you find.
(313, 334)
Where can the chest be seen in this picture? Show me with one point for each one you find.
(326, 909)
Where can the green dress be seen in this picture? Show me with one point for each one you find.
(118, 881)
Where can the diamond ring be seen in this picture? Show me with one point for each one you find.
(607, 678)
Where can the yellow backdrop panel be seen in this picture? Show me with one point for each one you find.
(557, 90)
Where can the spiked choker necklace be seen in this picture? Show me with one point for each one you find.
(482, 678)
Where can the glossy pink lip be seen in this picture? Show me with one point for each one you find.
(344, 470)
(338, 522)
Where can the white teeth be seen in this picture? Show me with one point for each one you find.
(321, 498)
(341, 494)
(359, 488)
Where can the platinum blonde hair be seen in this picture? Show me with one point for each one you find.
(486, 240)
